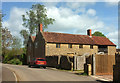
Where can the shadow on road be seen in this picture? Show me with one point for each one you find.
(98, 81)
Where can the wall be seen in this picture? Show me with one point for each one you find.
(116, 69)
(30, 50)
(39, 46)
(65, 63)
(64, 50)
(79, 62)
(111, 50)
(61, 62)
(52, 61)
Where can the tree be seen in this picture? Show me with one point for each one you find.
(97, 33)
(0, 35)
(25, 35)
(7, 39)
(36, 15)
(16, 43)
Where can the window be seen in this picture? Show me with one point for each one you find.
(36, 44)
(80, 46)
(69, 45)
(30, 45)
(91, 46)
(57, 45)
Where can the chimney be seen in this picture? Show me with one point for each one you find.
(40, 28)
(89, 32)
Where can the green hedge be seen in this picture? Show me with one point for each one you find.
(15, 61)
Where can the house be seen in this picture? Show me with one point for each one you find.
(51, 43)
(30, 47)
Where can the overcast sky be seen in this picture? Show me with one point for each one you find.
(71, 17)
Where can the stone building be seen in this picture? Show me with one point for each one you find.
(30, 48)
(51, 43)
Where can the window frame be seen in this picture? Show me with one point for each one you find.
(91, 46)
(80, 46)
(69, 45)
(58, 45)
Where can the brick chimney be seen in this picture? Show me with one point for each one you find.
(40, 28)
(89, 32)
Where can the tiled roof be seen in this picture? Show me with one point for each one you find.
(75, 39)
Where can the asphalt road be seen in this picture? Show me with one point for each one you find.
(23, 73)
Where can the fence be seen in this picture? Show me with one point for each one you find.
(104, 64)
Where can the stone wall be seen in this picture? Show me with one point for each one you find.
(116, 69)
(62, 62)
(65, 63)
(64, 50)
(30, 50)
(39, 46)
(52, 61)
(111, 50)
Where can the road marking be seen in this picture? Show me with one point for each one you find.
(100, 78)
(16, 79)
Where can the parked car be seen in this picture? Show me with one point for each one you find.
(39, 62)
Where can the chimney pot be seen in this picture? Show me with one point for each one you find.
(89, 32)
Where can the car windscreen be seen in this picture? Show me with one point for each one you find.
(41, 59)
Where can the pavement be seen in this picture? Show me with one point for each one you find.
(24, 74)
(104, 77)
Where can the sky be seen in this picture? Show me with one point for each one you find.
(70, 17)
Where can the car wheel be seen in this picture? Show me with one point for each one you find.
(29, 65)
(44, 67)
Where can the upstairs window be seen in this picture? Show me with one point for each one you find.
(91, 46)
(80, 46)
(57, 45)
(36, 45)
(69, 45)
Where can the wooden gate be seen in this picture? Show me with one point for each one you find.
(104, 64)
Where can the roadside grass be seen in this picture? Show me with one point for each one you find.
(77, 72)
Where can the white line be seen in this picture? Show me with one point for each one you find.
(15, 77)
(100, 78)
(13, 74)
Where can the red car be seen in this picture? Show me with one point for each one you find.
(39, 62)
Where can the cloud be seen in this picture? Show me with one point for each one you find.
(68, 21)
(14, 23)
(74, 19)
(75, 5)
(113, 36)
(91, 12)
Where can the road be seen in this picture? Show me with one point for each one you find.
(23, 73)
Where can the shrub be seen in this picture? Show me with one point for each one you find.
(15, 61)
